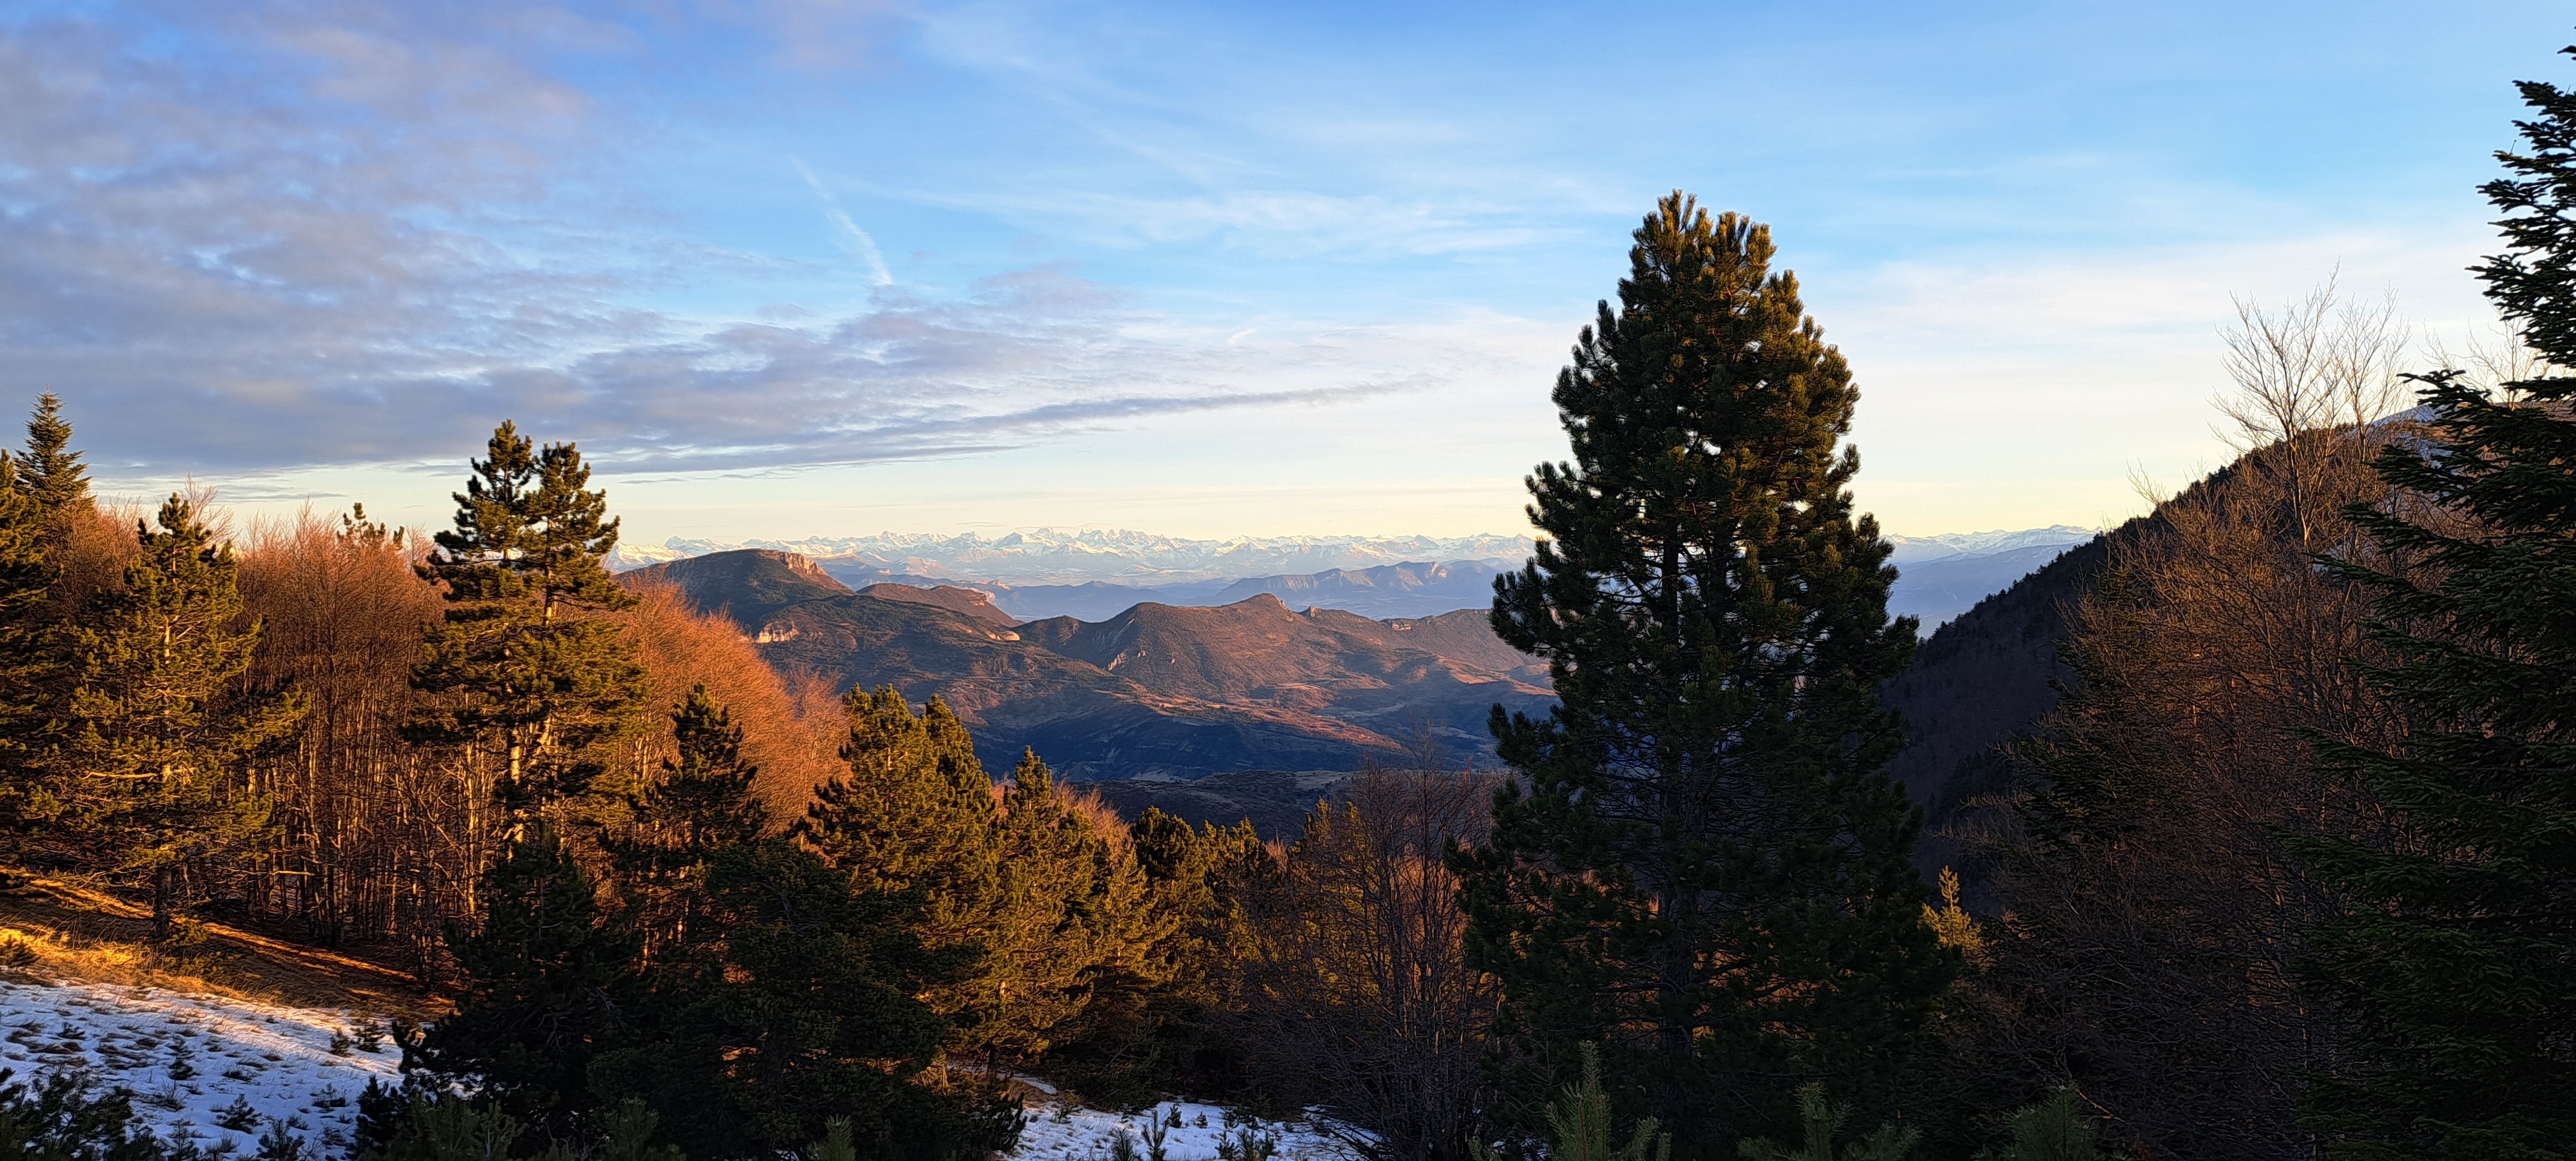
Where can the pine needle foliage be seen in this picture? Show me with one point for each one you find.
(813, 1014)
(159, 726)
(915, 812)
(2051, 1130)
(526, 668)
(1820, 1122)
(2454, 954)
(1060, 911)
(52, 469)
(29, 662)
(549, 988)
(1702, 866)
(701, 804)
(1582, 1126)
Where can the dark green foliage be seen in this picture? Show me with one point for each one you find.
(812, 1015)
(429, 1125)
(2455, 952)
(53, 472)
(2052, 1130)
(1820, 1123)
(280, 1141)
(150, 775)
(59, 1120)
(700, 805)
(1581, 1124)
(916, 809)
(1704, 869)
(527, 669)
(29, 661)
(548, 987)
(1169, 1037)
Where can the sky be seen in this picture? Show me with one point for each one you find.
(785, 268)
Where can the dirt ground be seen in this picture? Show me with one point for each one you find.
(81, 932)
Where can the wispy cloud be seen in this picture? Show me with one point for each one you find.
(856, 240)
(353, 244)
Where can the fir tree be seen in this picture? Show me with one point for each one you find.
(2454, 953)
(701, 804)
(151, 773)
(548, 987)
(53, 472)
(29, 661)
(1074, 933)
(1708, 872)
(916, 811)
(814, 1014)
(533, 677)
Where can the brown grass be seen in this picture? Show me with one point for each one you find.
(59, 930)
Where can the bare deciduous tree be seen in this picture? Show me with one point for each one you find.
(1359, 998)
(2307, 375)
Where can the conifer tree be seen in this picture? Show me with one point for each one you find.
(1074, 930)
(28, 659)
(701, 805)
(814, 1013)
(2454, 953)
(53, 471)
(915, 812)
(1708, 872)
(1060, 915)
(533, 677)
(151, 773)
(548, 984)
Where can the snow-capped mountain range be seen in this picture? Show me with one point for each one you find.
(1943, 546)
(1055, 557)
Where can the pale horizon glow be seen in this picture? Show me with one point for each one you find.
(798, 268)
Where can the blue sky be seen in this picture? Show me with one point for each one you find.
(789, 267)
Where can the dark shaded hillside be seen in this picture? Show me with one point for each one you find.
(1325, 661)
(1275, 800)
(1984, 677)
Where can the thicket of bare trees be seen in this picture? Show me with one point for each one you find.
(2155, 919)
(1357, 995)
(377, 838)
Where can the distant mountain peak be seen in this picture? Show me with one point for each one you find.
(1048, 556)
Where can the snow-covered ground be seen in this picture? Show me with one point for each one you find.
(1061, 1133)
(195, 1063)
(239, 1064)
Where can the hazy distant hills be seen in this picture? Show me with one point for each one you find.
(1155, 691)
(1094, 576)
(1050, 557)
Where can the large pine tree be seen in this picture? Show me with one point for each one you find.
(2455, 950)
(1703, 866)
(151, 772)
(532, 677)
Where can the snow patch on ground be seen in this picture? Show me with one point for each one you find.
(1063, 1133)
(276, 1060)
(280, 1062)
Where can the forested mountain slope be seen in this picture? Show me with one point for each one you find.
(1155, 691)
